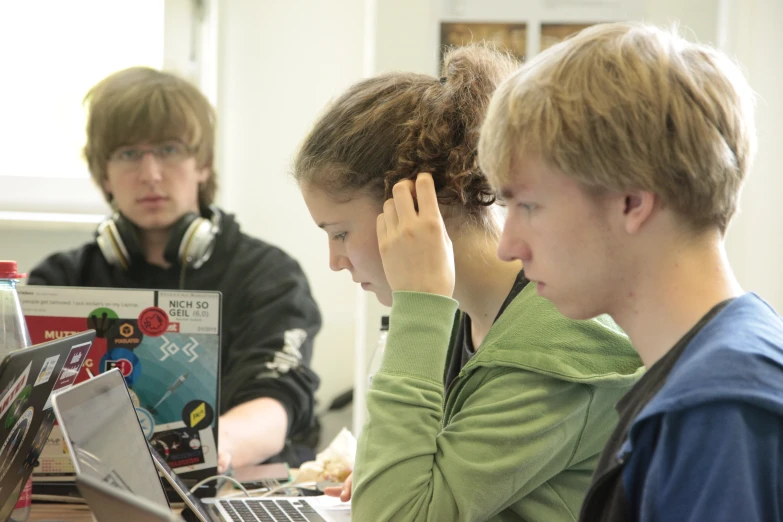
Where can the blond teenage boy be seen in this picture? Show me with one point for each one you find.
(621, 153)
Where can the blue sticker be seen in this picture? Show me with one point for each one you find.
(146, 421)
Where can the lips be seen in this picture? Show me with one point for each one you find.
(152, 199)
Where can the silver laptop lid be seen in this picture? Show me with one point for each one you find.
(105, 438)
(110, 504)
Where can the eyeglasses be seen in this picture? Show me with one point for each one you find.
(168, 153)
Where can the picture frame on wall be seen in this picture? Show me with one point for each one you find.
(511, 36)
(507, 36)
(554, 33)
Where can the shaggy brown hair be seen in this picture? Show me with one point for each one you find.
(141, 104)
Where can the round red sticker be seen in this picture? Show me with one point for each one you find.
(153, 321)
(125, 366)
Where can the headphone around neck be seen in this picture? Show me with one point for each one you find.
(191, 242)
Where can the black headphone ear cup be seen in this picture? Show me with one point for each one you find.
(177, 236)
(129, 238)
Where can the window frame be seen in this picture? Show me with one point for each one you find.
(190, 49)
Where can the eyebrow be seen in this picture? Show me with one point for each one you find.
(324, 225)
(507, 192)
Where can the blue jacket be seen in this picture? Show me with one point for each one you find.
(709, 445)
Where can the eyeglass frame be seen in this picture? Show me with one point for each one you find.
(156, 150)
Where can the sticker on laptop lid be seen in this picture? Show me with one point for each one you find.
(13, 442)
(153, 321)
(47, 369)
(69, 371)
(14, 391)
(41, 438)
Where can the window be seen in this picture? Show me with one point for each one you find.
(52, 53)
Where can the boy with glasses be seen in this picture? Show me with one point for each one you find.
(150, 149)
(621, 153)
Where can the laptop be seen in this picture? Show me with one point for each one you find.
(107, 444)
(166, 343)
(27, 379)
(111, 504)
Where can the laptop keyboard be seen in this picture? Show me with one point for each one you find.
(269, 510)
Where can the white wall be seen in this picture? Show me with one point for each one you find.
(28, 243)
(279, 63)
(697, 19)
(755, 240)
(748, 30)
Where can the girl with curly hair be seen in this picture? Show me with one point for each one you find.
(489, 404)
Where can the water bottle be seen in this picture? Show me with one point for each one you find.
(377, 356)
(14, 336)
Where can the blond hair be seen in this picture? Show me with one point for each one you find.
(629, 106)
(141, 104)
(393, 126)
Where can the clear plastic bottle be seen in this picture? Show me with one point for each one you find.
(14, 336)
(377, 355)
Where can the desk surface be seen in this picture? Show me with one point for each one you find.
(60, 512)
(48, 512)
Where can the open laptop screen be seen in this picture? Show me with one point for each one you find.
(105, 437)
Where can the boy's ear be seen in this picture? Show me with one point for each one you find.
(638, 208)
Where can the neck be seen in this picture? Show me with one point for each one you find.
(483, 280)
(153, 244)
(667, 298)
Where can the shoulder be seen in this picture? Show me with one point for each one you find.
(257, 254)
(531, 315)
(525, 383)
(738, 356)
(66, 268)
(717, 441)
(533, 334)
(521, 403)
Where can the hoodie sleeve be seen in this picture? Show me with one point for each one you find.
(271, 341)
(719, 462)
(516, 430)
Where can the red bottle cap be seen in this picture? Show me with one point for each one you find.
(8, 270)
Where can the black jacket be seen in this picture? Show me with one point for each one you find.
(265, 295)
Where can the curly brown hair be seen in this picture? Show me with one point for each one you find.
(393, 126)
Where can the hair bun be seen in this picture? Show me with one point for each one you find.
(443, 134)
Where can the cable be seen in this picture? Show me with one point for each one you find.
(296, 487)
(253, 493)
(215, 477)
(182, 274)
(372, 357)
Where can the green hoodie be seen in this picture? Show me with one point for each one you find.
(517, 434)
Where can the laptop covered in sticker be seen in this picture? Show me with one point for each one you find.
(166, 344)
(28, 377)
